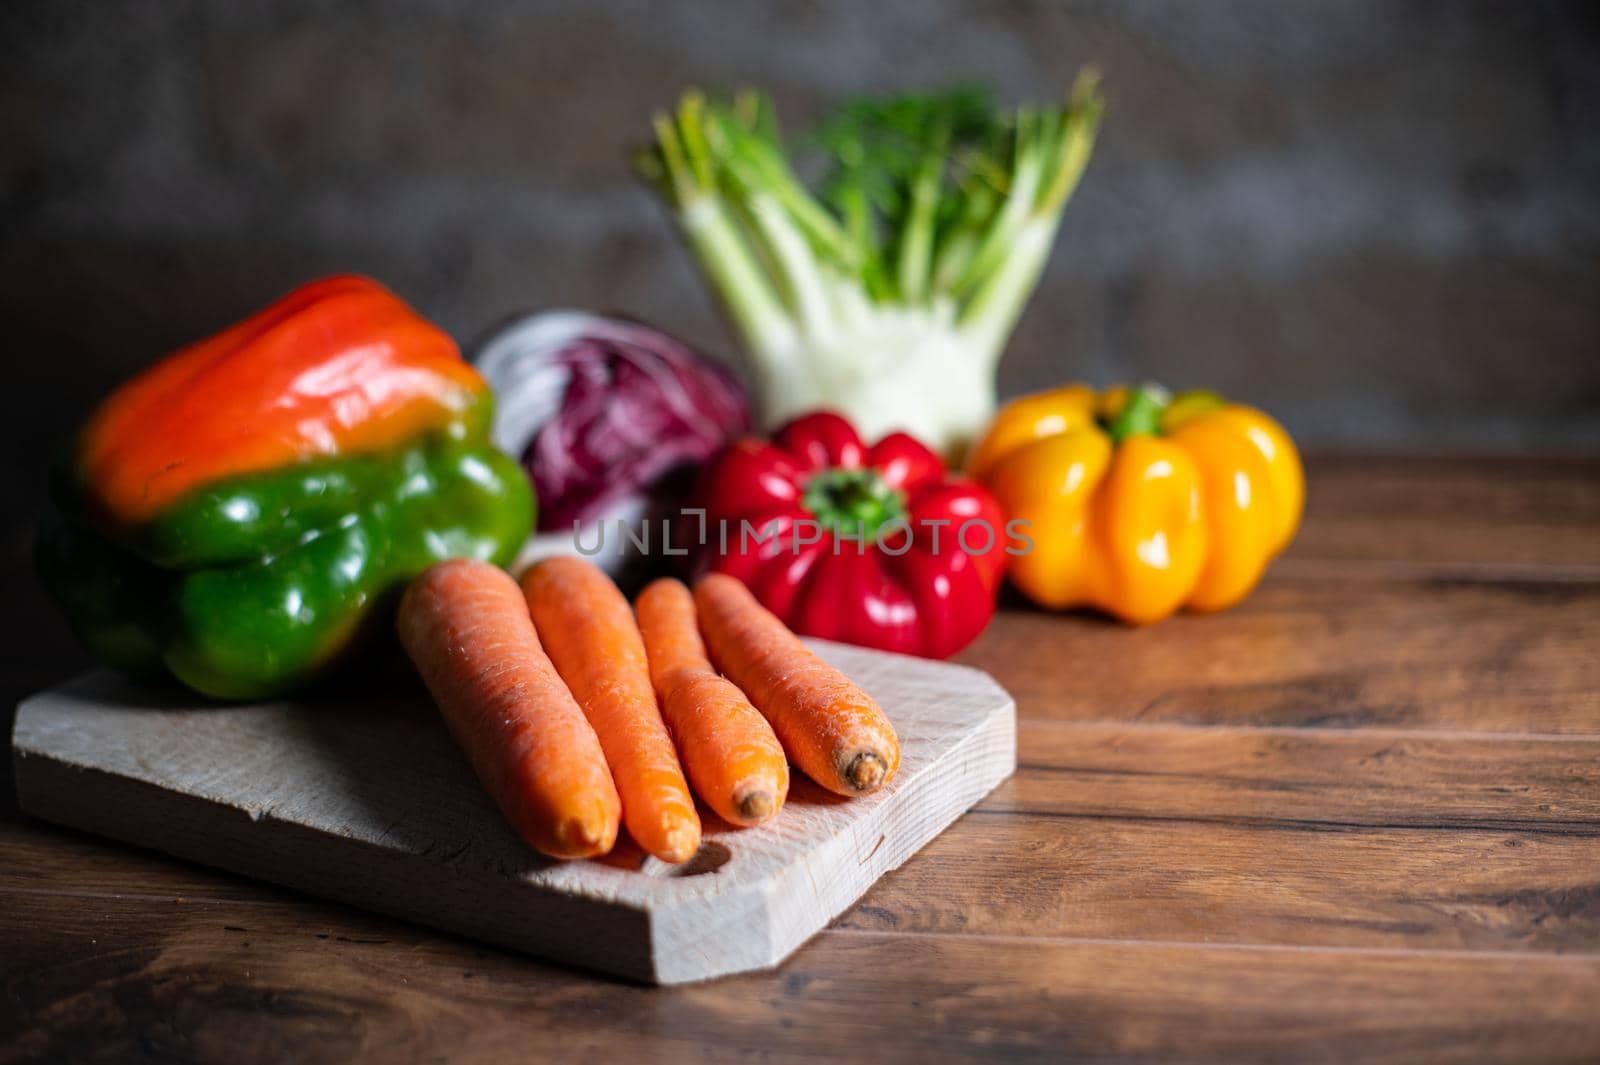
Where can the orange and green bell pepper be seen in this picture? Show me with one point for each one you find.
(240, 513)
(1139, 504)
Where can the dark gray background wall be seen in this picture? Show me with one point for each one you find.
(1380, 220)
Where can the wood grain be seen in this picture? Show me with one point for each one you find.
(1315, 778)
(142, 981)
(1504, 517)
(1461, 655)
(1095, 877)
(46, 860)
(1354, 819)
(1283, 836)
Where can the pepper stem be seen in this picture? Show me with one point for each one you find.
(852, 501)
(1141, 415)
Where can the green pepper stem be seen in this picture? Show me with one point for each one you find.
(1141, 415)
(852, 502)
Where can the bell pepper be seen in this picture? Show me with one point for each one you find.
(240, 513)
(867, 545)
(1138, 504)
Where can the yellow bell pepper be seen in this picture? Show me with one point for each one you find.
(1140, 505)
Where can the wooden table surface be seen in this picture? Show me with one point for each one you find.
(1357, 817)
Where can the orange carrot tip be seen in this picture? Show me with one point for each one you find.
(466, 628)
(732, 756)
(589, 631)
(829, 727)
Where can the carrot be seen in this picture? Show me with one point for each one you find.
(732, 756)
(589, 630)
(466, 628)
(831, 729)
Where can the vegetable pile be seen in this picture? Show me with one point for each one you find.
(552, 689)
(234, 515)
(889, 293)
(240, 515)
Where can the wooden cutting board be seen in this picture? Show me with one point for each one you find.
(370, 803)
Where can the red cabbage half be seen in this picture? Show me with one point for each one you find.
(604, 410)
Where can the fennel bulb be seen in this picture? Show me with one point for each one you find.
(888, 295)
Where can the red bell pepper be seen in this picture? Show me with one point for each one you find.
(877, 546)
